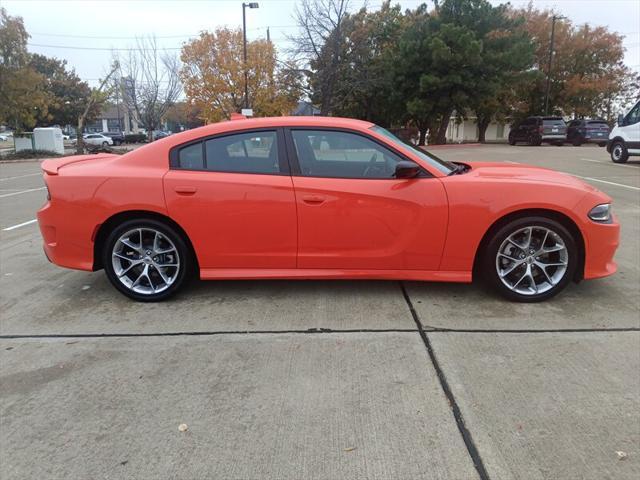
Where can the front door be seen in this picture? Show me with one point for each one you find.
(234, 197)
(352, 213)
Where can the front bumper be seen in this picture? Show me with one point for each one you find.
(601, 243)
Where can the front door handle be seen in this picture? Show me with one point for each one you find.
(313, 199)
(185, 190)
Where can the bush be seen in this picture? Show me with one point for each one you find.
(29, 154)
(135, 138)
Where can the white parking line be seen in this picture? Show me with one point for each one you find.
(4, 179)
(609, 163)
(20, 193)
(13, 227)
(608, 183)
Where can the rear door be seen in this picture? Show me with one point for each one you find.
(352, 212)
(234, 197)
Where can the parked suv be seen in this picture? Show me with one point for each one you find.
(624, 139)
(587, 131)
(536, 130)
(117, 137)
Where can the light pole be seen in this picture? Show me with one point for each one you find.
(553, 31)
(244, 44)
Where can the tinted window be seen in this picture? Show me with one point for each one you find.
(255, 152)
(554, 122)
(597, 124)
(342, 155)
(191, 157)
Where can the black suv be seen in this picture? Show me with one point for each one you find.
(117, 137)
(535, 130)
(587, 131)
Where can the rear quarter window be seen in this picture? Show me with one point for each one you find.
(191, 157)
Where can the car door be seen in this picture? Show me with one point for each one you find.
(353, 213)
(233, 195)
(631, 130)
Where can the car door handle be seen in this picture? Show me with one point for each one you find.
(313, 199)
(184, 190)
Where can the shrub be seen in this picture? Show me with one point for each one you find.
(29, 154)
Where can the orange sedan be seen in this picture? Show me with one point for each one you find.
(319, 198)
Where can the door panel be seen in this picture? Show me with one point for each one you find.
(235, 220)
(370, 223)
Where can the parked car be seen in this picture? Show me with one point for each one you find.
(624, 139)
(587, 131)
(3, 138)
(117, 137)
(320, 197)
(158, 134)
(94, 139)
(538, 130)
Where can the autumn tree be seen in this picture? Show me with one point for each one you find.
(150, 82)
(587, 68)
(213, 76)
(22, 90)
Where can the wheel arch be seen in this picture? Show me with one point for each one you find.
(610, 143)
(103, 230)
(560, 217)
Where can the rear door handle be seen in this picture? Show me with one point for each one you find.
(185, 190)
(313, 199)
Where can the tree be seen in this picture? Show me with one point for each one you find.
(67, 94)
(185, 115)
(151, 82)
(213, 76)
(22, 91)
(587, 69)
(98, 97)
(320, 43)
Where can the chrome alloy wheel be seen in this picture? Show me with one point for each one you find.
(532, 260)
(145, 261)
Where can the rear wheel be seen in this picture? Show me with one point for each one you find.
(530, 259)
(619, 152)
(535, 140)
(146, 260)
(512, 140)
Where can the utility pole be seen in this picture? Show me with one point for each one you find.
(244, 45)
(553, 31)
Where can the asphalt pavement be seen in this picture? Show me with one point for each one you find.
(319, 379)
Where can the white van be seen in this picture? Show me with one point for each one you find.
(624, 139)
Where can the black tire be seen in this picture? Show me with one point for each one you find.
(576, 142)
(535, 141)
(184, 256)
(105, 144)
(512, 140)
(489, 261)
(619, 153)
(602, 144)
(559, 144)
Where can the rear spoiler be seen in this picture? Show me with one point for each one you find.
(52, 165)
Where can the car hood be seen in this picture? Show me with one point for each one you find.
(525, 173)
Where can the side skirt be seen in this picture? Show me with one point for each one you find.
(316, 274)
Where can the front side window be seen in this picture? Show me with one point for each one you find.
(633, 116)
(255, 152)
(337, 154)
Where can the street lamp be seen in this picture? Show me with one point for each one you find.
(553, 31)
(244, 39)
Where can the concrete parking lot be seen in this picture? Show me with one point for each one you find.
(320, 380)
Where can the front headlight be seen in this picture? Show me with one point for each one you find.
(601, 213)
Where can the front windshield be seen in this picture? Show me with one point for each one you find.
(442, 165)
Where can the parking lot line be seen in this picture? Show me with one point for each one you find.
(607, 182)
(13, 227)
(607, 163)
(21, 192)
(3, 179)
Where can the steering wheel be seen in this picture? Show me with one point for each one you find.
(371, 166)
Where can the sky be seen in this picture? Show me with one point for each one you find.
(84, 32)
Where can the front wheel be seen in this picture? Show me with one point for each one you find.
(147, 260)
(619, 153)
(105, 144)
(530, 259)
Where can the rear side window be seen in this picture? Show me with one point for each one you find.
(191, 158)
(255, 152)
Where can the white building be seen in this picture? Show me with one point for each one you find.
(467, 130)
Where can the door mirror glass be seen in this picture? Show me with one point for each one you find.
(620, 119)
(406, 169)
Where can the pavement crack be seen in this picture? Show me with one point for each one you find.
(432, 329)
(444, 384)
(206, 333)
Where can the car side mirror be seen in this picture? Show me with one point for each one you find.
(620, 119)
(407, 169)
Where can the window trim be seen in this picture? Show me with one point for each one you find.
(296, 171)
(174, 152)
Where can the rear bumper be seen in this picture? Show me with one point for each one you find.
(62, 245)
(555, 138)
(600, 247)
